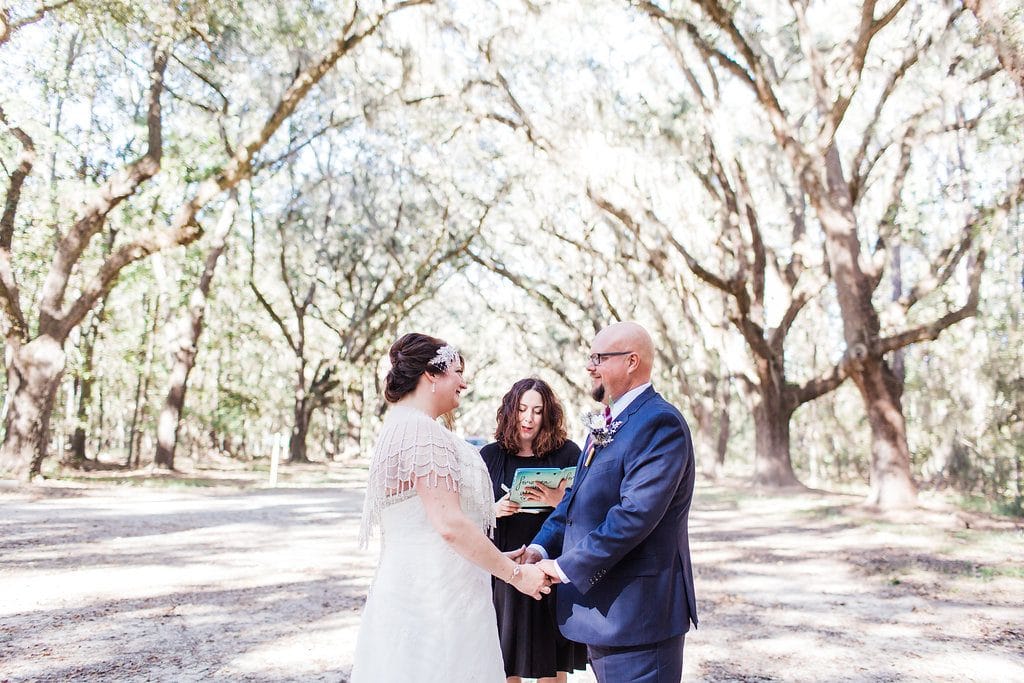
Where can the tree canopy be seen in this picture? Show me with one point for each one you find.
(218, 215)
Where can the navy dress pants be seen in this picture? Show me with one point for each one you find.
(650, 663)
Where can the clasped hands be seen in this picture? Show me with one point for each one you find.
(537, 574)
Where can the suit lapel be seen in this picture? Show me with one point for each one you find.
(581, 471)
(637, 404)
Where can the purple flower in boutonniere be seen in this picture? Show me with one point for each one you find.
(601, 433)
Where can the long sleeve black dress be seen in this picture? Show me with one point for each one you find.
(531, 644)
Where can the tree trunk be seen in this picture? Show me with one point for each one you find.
(170, 414)
(300, 428)
(891, 481)
(773, 409)
(85, 382)
(300, 424)
(103, 433)
(186, 346)
(772, 463)
(898, 360)
(34, 372)
(307, 401)
(354, 421)
(704, 421)
(724, 421)
(63, 425)
(142, 384)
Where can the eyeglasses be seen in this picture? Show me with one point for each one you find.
(598, 358)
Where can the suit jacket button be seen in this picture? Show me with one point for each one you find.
(568, 522)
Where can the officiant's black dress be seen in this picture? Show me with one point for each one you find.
(530, 641)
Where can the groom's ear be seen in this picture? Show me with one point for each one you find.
(632, 363)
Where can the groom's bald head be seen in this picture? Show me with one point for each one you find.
(621, 372)
(633, 337)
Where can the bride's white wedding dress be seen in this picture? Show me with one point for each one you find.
(429, 614)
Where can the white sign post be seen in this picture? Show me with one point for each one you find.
(275, 457)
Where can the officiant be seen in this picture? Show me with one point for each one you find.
(530, 434)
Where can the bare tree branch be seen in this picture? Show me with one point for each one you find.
(931, 331)
(121, 186)
(9, 28)
(945, 264)
(706, 49)
(800, 295)
(761, 81)
(822, 89)
(529, 286)
(531, 131)
(858, 174)
(756, 240)
(184, 227)
(819, 386)
(10, 293)
(942, 268)
(860, 182)
(869, 27)
(1003, 33)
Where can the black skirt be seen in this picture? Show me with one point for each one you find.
(531, 643)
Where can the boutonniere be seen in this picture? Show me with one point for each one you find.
(601, 433)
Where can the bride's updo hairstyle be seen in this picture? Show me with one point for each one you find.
(411, 356)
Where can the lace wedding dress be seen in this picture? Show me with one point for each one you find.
(429, 614)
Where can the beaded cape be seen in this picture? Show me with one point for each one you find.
(412, 446)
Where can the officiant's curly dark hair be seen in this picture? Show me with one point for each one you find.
(551, 434)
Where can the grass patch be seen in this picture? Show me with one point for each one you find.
(824, 512)
(1013, 507)
(151, 481)
(718, 498)
(989, 573)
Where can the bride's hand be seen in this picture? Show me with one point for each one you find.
(532, 581)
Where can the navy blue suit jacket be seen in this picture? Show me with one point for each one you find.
(620, 533)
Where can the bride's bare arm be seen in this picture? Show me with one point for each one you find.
(445, 514)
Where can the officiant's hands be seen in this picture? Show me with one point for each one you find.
(504, 507)
(532, 581)
(550, 497)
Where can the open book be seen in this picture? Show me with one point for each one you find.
(528, 476)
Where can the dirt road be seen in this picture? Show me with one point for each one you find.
(185, 583)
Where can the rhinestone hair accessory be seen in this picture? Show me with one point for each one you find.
(446, 355)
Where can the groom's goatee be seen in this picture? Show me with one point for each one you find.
(598, 393)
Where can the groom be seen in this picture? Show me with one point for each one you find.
(618, 540)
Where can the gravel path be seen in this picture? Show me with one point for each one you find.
(187, 584)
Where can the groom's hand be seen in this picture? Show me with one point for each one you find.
(533, 582)
(548, 567)
(530, 556)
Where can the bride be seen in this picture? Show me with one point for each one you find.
(429, 614)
